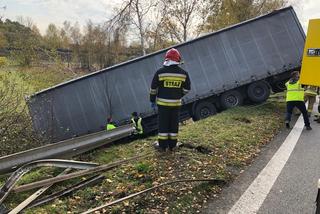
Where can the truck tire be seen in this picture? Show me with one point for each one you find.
(203, 110)
(231, 99)
(258, 92)
(279, 86)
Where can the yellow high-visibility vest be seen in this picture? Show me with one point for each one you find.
(311, 91)
(138, 125)
(110, 126)
(295, 92)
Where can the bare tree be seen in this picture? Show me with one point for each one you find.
(87, 45)
(36, 30)
(53, 37)
(26, 21)
(117, 44)
(182, 17)
(135, 13)
(223, 13)
(141, 10)
(157, 34)
(65, 34)
(29, 23)
(100, 46)
(25, 43)
(75, 42)
(75, 34)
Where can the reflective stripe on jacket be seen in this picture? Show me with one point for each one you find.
(295, 92)
(169, 85)
(167, 102)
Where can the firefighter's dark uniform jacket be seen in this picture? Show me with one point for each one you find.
(168, 86)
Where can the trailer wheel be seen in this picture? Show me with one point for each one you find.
(203, 110)
(231, 99)
(258, 92)
(279, 86)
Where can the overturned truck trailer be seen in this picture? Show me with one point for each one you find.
(236, 64)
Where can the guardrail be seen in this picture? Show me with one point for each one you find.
(64, 149)
(13, 179)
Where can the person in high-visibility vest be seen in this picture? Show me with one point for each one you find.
(137, 123)
(295, 98)
(310, 96)
(110, 125)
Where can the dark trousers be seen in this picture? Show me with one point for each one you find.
(168, 118)
(301, 106)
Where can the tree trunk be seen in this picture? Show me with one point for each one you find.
(140, 28)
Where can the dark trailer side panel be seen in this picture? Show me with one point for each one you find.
(217, 62)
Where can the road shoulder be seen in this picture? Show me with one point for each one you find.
(230, 194)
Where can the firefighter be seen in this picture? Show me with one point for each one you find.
(137, 123)
(110, 125)
(170, 83)
(295, 98)
(310, 96)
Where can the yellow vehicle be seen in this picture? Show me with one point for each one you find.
(310, 70)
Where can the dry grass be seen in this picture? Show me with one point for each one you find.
(226, 143)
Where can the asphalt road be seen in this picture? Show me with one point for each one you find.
(295, 187)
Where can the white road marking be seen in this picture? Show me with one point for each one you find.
(252, 199)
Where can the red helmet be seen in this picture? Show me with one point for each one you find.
(173, 54)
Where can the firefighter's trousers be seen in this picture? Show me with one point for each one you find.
(168, 118)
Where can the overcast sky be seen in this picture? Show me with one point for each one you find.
(44, 12)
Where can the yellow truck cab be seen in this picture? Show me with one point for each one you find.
(310, 70)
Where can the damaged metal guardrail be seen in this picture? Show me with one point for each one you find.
(77, 174)
(88, 182)
(64, 149)
(32, 202)
(213, 181)
(89, 168)
(34, 196)
(13, 179)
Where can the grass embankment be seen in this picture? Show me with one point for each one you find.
(229, 141)
(15, 84)
(28, 80)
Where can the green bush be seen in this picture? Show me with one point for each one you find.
(15, 84)
(143, 167)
